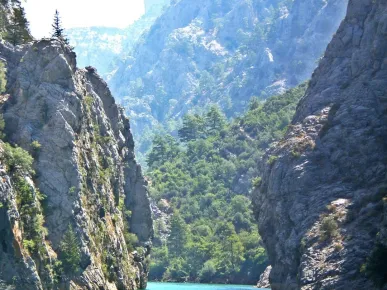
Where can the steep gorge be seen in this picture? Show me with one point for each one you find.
(321, 205)
(85, 167)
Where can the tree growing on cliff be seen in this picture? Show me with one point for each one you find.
(18, 28)
(70, 254)
(58, 30)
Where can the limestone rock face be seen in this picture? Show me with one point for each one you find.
(321, 203)
(85, 166)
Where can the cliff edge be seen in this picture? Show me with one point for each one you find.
(95, 196)
(321, 205)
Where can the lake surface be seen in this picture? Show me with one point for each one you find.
(191, 286)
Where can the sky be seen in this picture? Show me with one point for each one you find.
(81, 13)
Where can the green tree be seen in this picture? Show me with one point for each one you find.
(58, 30)
(221, 240)
(70, 253)
(230, 253)
(18, 28)
(192, 129)
(207, 272)
(178, 237)
(176, 271)
(164, 149)
(215, 120)
(17, 158)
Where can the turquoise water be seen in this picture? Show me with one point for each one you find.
(188, 286)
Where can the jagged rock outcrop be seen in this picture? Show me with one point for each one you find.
(264, 281)
(85, 166)
(321, 206)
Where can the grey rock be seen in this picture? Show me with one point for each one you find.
(331, 164)
(264, 279)
(86, 165)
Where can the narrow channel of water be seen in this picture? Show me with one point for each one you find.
(192, 286)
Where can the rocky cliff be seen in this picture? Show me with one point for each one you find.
(321, 205)
(96, 202)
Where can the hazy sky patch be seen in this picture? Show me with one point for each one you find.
(81, 13)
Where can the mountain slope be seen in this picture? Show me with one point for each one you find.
(225, 52)
(85, 168)
(321, 206)
(204, 180)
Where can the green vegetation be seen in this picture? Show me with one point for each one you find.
(17, 29)
(257, 182)
(57, 29)
(88, 101)
(31, 215)
(328, 228)
(35, 145)
(376, 265)
(70, 254)
(3, 78)
(272, 159)
(206, 176)
(17, 159)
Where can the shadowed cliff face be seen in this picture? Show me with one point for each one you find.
(321, 205)
(85, 166)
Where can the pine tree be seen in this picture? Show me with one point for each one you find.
(164, 149)
(69, 251)
(192, 129)
(58, 30)
(18, 29)
(215, 120)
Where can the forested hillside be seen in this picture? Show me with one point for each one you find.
(222, 52)
(204, 179)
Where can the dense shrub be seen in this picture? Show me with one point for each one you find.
(328, 228)
(17, 158)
